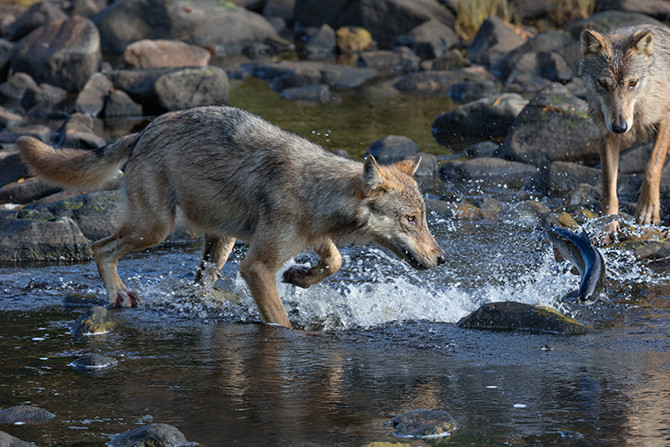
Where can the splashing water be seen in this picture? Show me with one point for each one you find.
(373, 287)
(487, 262)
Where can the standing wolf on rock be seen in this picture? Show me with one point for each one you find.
(627, 77)
(236, 176)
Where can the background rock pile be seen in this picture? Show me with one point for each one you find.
(66, 68)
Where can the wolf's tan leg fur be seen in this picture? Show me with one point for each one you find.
(609, 160)
(609, 166)
(108, 251)
(330, 261)
(216, 251)
(259, 269)
(649, 203)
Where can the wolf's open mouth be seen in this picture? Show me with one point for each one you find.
(411, 260)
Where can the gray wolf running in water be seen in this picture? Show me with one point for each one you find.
(236, 176)
(627, 76)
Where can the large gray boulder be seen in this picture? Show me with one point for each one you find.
(483, 119)
(220, 25)
(554, 126)
(385, 19)
(96, 214)
(30, 235)
(163, 89)
(70, 57)
(429, 40)
(39, 14)
(494, 40)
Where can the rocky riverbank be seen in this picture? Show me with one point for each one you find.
(520, 116)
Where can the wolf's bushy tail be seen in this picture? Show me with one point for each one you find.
(75, 167)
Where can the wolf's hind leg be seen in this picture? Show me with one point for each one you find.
(330, 261)
(214, 255)
(108, 251)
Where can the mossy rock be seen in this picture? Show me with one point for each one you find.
(510, 316)
(423, 424)
(96, 321)
(353, 39)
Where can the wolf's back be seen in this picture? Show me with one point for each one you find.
(75, 167)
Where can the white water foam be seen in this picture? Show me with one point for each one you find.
(364, 294)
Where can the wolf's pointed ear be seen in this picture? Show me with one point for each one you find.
(410, 165)
(592, 42)
(373, 178)
(643, 42)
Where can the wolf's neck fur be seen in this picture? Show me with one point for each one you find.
(335, 193)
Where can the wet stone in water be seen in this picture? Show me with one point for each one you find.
(93, 361)
(424, 424)
(152, 435)
(77, 299)
(512, 316)
(7, 440)
(96, 321)
(24, 413)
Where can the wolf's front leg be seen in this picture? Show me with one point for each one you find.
(649, 203)
(609, 161)
(259, 269)
(330, 261)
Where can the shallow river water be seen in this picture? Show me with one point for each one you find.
(376, 340)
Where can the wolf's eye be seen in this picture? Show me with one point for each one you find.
(603, 84)
(632, 84)
(411, 219)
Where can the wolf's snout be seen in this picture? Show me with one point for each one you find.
(619, 127)
(442, 258)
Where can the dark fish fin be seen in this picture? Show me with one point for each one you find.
(557, 254)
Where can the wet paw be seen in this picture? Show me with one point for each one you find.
(608, 234)
(126, 298)
(297, 275)
(648, 212)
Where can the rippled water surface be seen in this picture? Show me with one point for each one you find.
(380, 341)
(377, 339)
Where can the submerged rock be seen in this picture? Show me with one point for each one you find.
(96, 321)
(423, 424)
(83, 300)
(7, 440)
(152, 435)
(510, 316)
(93, 361)
(24, 413)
